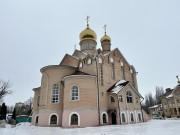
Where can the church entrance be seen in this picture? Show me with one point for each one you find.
(113, 117)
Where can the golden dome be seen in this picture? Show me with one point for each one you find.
(87, 34)
(105, 38)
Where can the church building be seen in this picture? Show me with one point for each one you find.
(91, 87)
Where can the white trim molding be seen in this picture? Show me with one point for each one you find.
(70, 118)
(50, 118)
(102, 117)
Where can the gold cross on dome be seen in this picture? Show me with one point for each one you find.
(87, 20)
(178, 79)
(105, 28)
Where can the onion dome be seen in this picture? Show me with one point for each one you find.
(87, 34)
(105, 38)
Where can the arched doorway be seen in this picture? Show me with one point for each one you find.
(113, 117)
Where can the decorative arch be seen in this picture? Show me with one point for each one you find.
(132, 117)
(89, 61)
(80, 64)
(139, 117)
(50, 118)
(123, 117)
(111, 58)
(70, 116)
(104, 118)
(100, 60)
(36, 120)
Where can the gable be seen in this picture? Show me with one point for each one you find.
(69, 60)
(132, 89)
(122, 86)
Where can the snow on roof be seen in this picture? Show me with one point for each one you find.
(117, 89)
(120, 82)
(169, 96)
(155, 106)
(118, 86)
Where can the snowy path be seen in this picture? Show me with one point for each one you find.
(153, 127)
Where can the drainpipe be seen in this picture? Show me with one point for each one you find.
(97, 91)
(119, 110)
(142, 110)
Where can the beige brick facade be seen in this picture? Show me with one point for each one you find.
(79, 91)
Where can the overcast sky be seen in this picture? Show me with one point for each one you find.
(37, 33)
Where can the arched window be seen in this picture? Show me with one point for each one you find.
(129, 97)
(80, 65)
(53, 119)
(122, 64)
(104, 118)
(89, 61)
(111, 60)
(123, 117)
(36, 120)
(74, 119)
(112, 99)
(139, 116)
(74, 93)
(132, 117)
(55, 93)
(100, 60)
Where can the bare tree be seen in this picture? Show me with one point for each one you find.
(159, 92)
(29, 103)
(4, 89)
(10, 109)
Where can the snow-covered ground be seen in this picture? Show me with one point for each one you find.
(153, 127)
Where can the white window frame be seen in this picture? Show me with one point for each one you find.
(51, 116)
(55, 94)
(140, 116)
(102, 118)
(133, 117)
(78, 98)
(124, 116)
(129, 96)
(70, 118)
